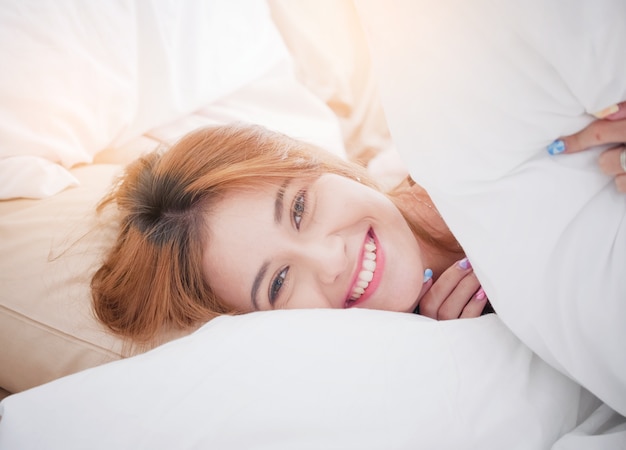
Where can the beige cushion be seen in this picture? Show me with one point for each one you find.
(48, 251)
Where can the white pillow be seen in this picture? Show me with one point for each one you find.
(474, 92)
(312, 379)
(82, 76)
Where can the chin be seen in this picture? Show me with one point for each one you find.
(403, 307)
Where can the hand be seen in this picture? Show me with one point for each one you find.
(455, 295)
(610, 129)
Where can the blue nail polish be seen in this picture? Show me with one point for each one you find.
(428, 274)
(556, 147)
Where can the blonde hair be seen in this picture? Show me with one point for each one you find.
(152, 277)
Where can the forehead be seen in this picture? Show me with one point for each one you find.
(240, 235)
(240, 215)
(236, 201)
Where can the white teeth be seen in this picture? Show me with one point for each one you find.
(366, 275)
(368, 267)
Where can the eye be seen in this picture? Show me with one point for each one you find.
(276, 285)
(298, 209)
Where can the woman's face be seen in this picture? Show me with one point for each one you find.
(324, 243)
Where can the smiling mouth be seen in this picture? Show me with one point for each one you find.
(366, 272)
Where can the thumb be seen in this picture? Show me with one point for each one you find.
(613, 112)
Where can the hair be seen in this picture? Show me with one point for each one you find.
(152, 279)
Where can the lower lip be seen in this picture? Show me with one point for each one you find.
(380, 264)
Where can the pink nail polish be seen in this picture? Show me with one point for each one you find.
(464, 264)
(480, 294)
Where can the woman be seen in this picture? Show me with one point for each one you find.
(237, 218)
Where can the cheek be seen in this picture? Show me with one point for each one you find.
(231, 293)
(407, 269)
(222, 276)
(408, 288)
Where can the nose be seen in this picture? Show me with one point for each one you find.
(327, 258)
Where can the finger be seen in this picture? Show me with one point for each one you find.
(610, 161)
(597, 133)
(458, 299)
(613, 112)
(425, 287)
(475, 306)
(436, 295)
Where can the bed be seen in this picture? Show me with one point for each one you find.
(548, 371)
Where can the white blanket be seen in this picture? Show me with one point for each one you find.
(87, 76)
(474, 92)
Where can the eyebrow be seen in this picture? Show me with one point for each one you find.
(278, 215)
(278, 203)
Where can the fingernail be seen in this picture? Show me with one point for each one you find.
(480, 294)
(556, 147)
(607, 111)
(428, 274)
(464, 264)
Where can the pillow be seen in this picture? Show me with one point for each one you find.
(312, 379)
(474, 92)
(83, 76)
